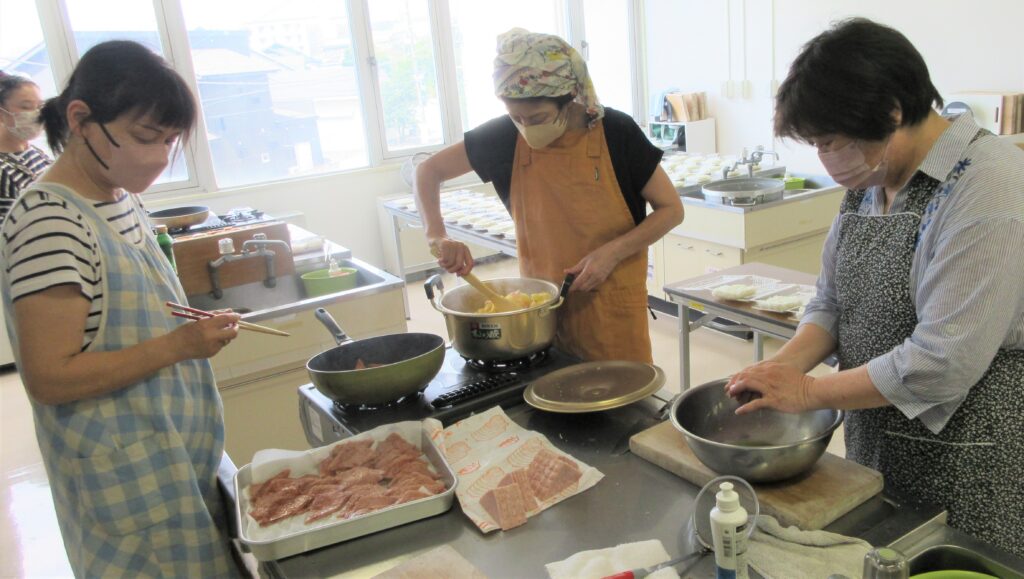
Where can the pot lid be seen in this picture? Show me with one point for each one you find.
(594, 386)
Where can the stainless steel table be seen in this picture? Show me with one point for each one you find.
(635, 501)
(761, 323)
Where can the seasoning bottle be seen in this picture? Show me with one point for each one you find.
(166, 243)
(729, 534)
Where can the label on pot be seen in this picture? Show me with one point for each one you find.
(479, 331)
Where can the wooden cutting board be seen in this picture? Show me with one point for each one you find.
(830, 490)
(193, 253)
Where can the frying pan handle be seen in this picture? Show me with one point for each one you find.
(340, 337)
(564, 291)
(432, 282)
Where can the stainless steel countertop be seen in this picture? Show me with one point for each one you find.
(635, 501)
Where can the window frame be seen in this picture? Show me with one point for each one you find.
(196, 153)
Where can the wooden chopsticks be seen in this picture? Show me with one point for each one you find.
(194, 314)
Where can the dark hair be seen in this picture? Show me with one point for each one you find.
(121, 77)
(849, 79)
(559, 101)
(10, 83)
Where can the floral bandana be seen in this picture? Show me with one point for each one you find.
(542, 65)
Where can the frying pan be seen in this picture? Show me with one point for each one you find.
(408, 362)
(180, 217)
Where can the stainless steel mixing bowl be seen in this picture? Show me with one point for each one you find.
(762, 446)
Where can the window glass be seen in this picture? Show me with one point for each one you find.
(475, 29)
(607, 35)
(22, 51)
(96, 21)
(406, 75)
(277, 83)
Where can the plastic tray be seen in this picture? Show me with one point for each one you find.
(344, 529)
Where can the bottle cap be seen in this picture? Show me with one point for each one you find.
(161, 229)
(727, 500)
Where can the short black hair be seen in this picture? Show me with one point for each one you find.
(122, 77)
(10, 83)
(849, 79)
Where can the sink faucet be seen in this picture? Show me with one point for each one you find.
(749, 160)
(226, 247)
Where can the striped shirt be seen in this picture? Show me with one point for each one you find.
(17, 170)
(48, 242)
(967, 276)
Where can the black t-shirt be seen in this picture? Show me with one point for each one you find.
(491, 148)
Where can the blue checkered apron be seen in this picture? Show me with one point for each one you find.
(133, 472)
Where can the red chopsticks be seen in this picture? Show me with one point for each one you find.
(181, 311)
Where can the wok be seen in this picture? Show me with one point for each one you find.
(408, 362)
(180, 217)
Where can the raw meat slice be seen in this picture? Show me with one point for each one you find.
(359, 475)
(550, 474)
(521, 480)
(256, 489)
(505, 505)
(346, 456)
(406, 496)
(327, 503)
(284, 508)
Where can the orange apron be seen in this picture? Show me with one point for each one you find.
(566, 203)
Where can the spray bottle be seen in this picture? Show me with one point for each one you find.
(729, 534)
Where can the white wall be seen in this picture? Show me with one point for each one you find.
(968, 45)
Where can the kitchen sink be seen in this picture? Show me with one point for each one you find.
(952, 557)
(256, 302)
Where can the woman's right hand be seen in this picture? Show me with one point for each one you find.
(453, 256)
(204, 338)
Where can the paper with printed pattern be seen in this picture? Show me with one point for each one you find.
(485, 448)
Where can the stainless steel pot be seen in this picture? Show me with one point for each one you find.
(762, 446)
(498, 337)
(744, 191)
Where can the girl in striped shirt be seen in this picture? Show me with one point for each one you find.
(20, 161)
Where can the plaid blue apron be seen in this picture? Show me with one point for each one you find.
(133, 472)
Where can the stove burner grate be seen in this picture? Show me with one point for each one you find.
(353, 408)
(535, 359)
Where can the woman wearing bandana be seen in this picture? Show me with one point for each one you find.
(20, 161)
(920, 293)
(576, 178)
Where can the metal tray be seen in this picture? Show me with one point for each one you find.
(345, 529)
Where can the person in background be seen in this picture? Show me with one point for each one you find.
(577, 178)
(20, 161)
(127, 415)
(920, 293)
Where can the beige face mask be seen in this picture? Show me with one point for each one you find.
(540, 136)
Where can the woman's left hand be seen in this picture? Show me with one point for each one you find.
(592, 270)
(777, 385)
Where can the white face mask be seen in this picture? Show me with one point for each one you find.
(132, 166)
(27, 125)
(540, 136)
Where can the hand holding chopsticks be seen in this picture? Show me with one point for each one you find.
(194, 314)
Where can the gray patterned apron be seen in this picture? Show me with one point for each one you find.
(967, 468)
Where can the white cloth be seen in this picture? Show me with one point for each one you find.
(778, 552)
(604, 562)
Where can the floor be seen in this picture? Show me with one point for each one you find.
(29, 537)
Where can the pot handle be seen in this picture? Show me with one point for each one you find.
(432, 282)
(564, 292)
(325, 317)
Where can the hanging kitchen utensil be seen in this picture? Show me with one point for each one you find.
(594, 386)
(375, 370)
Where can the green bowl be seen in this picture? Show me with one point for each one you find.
(320, 282)
(793, 183)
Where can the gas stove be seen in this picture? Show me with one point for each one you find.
(461, 388)
(233, 218)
